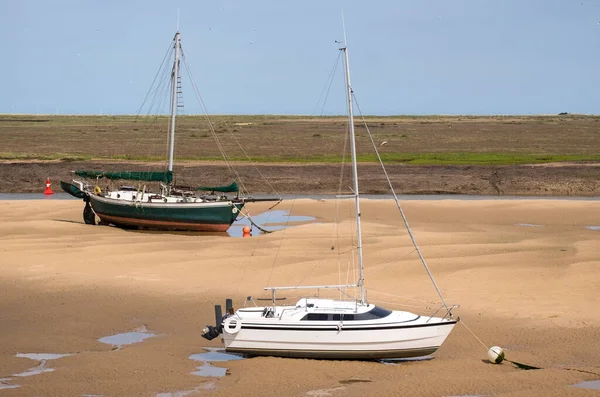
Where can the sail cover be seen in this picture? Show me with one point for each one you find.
(166, 177)
(223, 189)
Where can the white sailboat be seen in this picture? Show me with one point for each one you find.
(334, 329)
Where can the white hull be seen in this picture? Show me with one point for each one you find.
(287, 334)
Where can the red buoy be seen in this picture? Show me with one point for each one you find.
(48, 189)
(246, 231)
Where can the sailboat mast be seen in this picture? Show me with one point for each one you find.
(174, 77)
(354, 176)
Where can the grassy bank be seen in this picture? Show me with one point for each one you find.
(388, 158)
(418, 140)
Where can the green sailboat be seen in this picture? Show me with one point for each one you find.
(170, 209)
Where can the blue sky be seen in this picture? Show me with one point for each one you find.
(274, 57)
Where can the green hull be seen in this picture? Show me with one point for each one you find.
(72, 189)
(209, 216)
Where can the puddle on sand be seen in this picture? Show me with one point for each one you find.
(266, 221)
(213, 355)
(324, 392)
(127, 338)
(590, 384)
(42, 356)
(210, 370)
(39, 369)
(5, 383)
(593, 228)
(216, 356)
(529, 225)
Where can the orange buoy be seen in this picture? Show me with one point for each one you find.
(246, 231)
(48, 189)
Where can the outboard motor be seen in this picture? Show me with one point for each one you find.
(211, 332)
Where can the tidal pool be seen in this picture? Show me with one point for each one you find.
(126, 338)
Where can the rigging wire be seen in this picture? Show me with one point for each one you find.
(396, 304)
(356, 260)
(385, 265)
(168, 52)
(244, 264)
(211, 125)
(328, 84)
(404, 297)
(137, 137)
(309, 273)
(279, 247)
(336, 232)
(251, 162)
(161, 89)
(218, 142)
(155, 98)
(400, 208)
(161, 94)
(337, 202)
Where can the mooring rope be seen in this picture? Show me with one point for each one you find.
(246, 215)
(519, 365)
(475, 336)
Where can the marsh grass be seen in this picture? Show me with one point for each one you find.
(388, 158)
(411, 140)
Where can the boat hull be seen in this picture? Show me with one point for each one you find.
(205, 216)
(72, 189)
(366, 342)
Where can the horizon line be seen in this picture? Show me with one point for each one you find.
(302, 115)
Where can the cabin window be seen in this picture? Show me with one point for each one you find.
(374, 313)
(343, 317)
(316, 317)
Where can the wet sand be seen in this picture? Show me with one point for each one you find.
(525, 273)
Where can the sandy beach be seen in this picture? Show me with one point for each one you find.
(525, 273)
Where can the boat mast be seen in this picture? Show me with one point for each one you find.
(174, 77)
(354, 173)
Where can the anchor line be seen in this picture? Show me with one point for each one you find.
(254, 224)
